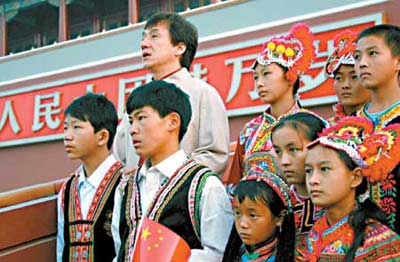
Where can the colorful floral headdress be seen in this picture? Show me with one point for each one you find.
(374, 151)
(294, 51)
(345, 45)
(262, 167)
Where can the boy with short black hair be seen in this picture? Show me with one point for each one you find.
(378, 65)
(86, 200)
(170, 187)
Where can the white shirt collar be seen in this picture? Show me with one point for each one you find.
(98, 175)
(168, 166)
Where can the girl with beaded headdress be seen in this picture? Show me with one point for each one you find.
(289, 138)
(340, 67)
(277, 70)
(339, 165)
(264, 223)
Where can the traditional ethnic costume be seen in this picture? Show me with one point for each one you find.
(331, 242)
(295, 52)
(264, 252)
(180, 194)
(375, 153)
(338, 114)
(265, 172)
(85, 207)
(386, 193)
(305, 213)
(344, 44)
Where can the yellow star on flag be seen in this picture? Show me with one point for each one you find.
(145, 233)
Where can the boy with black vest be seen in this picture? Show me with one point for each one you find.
(170, 187)
(86, 200)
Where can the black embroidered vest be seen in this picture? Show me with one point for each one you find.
(176, 206)
(90, 239)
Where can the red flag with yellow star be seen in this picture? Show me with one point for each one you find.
(158, 243)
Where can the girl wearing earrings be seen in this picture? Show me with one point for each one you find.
(339, 165)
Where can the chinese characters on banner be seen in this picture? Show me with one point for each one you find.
(35, 115)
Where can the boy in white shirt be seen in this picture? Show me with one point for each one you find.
(86, 200)
(170, 187)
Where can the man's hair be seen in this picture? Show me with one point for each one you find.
(180, 31)
(389, 33)
(98, 111)
(163, 97)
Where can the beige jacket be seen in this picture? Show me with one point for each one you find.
(207, 137)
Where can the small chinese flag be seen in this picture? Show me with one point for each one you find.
(158, 243)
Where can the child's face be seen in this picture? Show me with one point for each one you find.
(150, 133)
(348, 88)
(80, 140)
(271, 83)
(290, 149)
(375, 64)
(329, 181)
(254, 221)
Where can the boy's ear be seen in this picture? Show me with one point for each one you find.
(103, 135)
(357, 177)
(174, 121)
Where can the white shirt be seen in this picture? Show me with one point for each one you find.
(86, 189)
(216, 217)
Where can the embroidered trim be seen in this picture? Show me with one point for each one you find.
(194, 197)
(384, 119)
(305, 213)
(322, 236)
(339, 114)
(327, 243)
(265, 253)
(381, 237)
(165, 192)
(82, 231)
(256, 135)
(134, 209)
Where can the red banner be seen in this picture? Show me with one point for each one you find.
(36, 114)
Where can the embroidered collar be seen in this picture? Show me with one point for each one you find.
(323, 234)
(338, 109)
(259, 129)
(95, 179)
(297, 196)
(294, 109)
(382, 118)
(267, 252)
